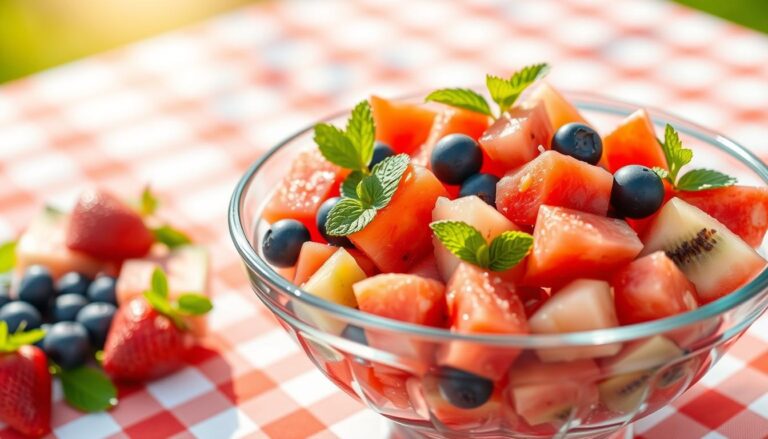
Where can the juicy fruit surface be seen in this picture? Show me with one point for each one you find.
(399, 235)
(143, 344)
(578, 141)
(712, 257)
(652, 287)
(556, 180)
(559, 110)
(473, 211)
(633, 142)
(310, 181)
(282, 242)
(405, 297)
(455, 158)
(637, 192)
(743, 209)
(481, 302)
(401, 125)
(25, 401)
(569, 244)
(450, 121)
(515, 138)
(312, 256)
(104, 227)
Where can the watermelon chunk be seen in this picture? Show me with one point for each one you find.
(399, 235)
(482, 302)
(650, 288)
(311, 257)
(405, 297)
(478, 214)
(559, 110)
(743, 209)
(569, 244)
(557, 180)
(515, 138)
(311, 180)
(427, 268)
(633, 142)
(450, 121)
(404, 126)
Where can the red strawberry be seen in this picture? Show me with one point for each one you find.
(25, 395)
(103, 226)
(149, 337)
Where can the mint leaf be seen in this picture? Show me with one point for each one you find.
(349, 186)
(348, 216)
(508, 249)
(170, 236)
(7, 256)
(194, 304)
(389, 172)
(88, 389)
(506, 91)
(158, 302)
(461, 239)
(461, 98)
(700, 179)
(370, 192)
(677, 156)
(159, 283)
(360, 131)
(661, 172)
(148, 203)
(336, 147)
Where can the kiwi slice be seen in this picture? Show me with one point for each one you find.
(715, 259)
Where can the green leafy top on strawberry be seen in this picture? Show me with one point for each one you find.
(364, 191)
(12, 342)
(188, 304)
(678, 156)
(88, 389)
(504, 92)
(468, 244)
(148, 202)
(7, 261)
(165, 233)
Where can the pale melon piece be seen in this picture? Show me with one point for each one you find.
(559, 110)
(582, 305)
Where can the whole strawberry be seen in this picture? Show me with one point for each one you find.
(25, 389)
(103, 226)
(149, 337)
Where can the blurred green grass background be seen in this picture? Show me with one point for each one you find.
(38, 34)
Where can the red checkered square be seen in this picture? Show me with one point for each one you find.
(701, 408)
(161, 425)
(301, 423)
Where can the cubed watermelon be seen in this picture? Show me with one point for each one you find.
(451, 121)
(569, 244)
(743, 209)
(404, 126)
(633, 142)
(310, 181)
(311, 257)
(516, 138)
(556, 180)
(399, 235)
(427, 268)
(559, 110)
(405, 297)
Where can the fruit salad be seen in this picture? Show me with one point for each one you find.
(105, 292)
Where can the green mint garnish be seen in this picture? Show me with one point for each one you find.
(170, 236)
(351, 148)
(7, 256)
(12, 342)
(365, 195)
(148, 202)
(677, 157)
(87, 389)
(466, 243)
(188, 304)
(503, 91)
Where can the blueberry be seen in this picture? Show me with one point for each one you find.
(97, 318)
(322, 217)
(102, 289)
(455, 158)
(72, 283)
(16, 312)
(637, 192)
(463, 389)
(66, 307)
(67, 345)
(355, 333)
(282, 242)
(380, 151)
(481, 185)
(578, 141)
(5, 295)
(36, 287)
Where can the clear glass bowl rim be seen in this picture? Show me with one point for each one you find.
(586, 101)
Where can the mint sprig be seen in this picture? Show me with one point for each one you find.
(370, 194)
(503, 91)
(468, 244)
(351, 148)
(148, 202)
(188, 304)
(170, 236)
(677, 156)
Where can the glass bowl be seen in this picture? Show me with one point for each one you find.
(593, 384)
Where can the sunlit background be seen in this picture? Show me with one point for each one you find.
(38, 34)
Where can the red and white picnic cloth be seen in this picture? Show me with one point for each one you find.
(190, 110)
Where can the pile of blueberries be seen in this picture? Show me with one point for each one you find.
(75, 311)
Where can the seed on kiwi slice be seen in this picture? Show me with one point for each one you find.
(715, 259)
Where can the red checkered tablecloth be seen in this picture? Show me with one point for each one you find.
(190, 110)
